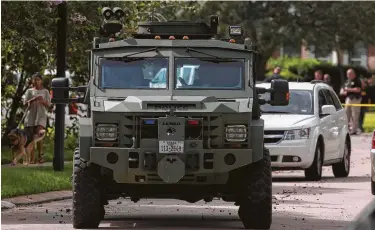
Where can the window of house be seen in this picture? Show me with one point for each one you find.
(323, 55)
(291, 50)
(358, 55)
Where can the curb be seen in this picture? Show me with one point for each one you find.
(40, 198)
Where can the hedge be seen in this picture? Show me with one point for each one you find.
(294, 68)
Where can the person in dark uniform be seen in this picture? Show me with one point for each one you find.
(367, 98)
(275, 75)
(352, 92)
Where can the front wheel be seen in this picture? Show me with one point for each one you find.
(88, 208)
(342, 168)
(314, 172)
(255, 201)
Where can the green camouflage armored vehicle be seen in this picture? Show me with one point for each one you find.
(173, 113)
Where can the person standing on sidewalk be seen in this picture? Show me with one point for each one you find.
(352, 92)
(38, 101)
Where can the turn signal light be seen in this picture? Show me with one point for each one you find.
(287, 96)
(185, 38)
(172, 38)
(157, 37)
(232, 41)
(193, 122)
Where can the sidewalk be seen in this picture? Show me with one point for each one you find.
(35, 199)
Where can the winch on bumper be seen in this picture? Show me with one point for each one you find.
(174, 159)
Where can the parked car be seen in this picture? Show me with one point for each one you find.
(372, 153)
(309, 133)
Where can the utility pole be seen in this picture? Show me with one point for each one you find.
(58, 159)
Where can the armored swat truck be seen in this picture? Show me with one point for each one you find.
(182, 136)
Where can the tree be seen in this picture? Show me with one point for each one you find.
(336, 25)
(26, 38)
(265, 23)
(331, 25)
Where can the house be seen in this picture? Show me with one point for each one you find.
(362, 55)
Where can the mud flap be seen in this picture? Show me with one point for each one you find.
(171, 169)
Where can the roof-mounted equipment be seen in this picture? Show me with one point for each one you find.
(178, 29)
(112, 23)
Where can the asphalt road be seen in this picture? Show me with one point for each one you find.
(326, 205)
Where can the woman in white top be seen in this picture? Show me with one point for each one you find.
(38, 101)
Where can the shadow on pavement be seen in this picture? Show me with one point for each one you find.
(326, 179)
(37, 218)
(303, 189)
(286, 221)
(351, 179)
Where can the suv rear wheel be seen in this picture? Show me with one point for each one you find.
(88, 208)
(342, 168)
(255, 200)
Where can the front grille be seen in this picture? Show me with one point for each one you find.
(273, 136)
(209, 130)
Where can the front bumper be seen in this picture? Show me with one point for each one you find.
(141, 165)
(282, 153)
(372, 152)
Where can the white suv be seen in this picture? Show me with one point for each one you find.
(311, 132)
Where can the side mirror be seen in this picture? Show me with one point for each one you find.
(60, 90)
(328, 110)
(279, 92)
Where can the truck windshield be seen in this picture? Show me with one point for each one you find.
(210, 73)
(301, 102)
(132, 73)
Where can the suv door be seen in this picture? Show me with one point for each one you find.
(335, 126)
(326, 127)
(342, 123)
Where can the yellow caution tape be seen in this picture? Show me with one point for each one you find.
(359, 105)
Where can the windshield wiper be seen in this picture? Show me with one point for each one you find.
(140, 52)
(276, 112)
(215, 60)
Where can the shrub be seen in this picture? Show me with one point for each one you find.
(293, 68)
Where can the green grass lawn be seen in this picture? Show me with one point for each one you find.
(18, 181)
(369, 122)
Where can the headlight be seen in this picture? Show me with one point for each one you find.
(106, 132)
(297, 134)
(235, 133)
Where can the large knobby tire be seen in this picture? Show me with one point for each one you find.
(342, 168)
(88, 208)
(314, 172)
(255, 203)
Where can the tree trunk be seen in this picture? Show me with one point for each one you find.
(261, 67)
(16, 103)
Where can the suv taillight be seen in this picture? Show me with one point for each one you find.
(373, 140)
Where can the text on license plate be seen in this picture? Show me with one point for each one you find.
(171, 146)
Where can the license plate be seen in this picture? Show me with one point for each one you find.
(171, 146)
